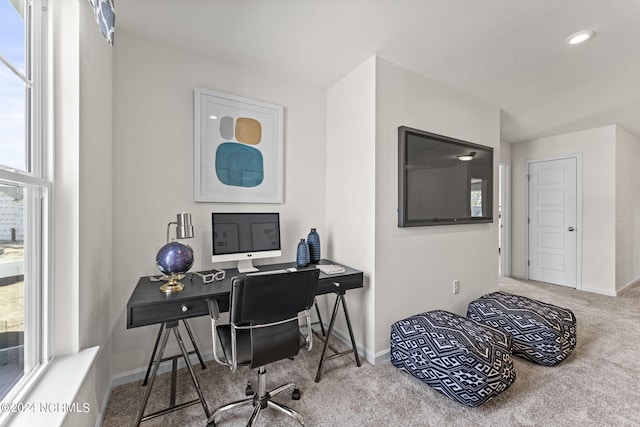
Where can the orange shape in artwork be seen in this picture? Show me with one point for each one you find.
(248, 131)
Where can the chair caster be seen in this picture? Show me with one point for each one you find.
(249, 390)
(212, 423)
(296, 394)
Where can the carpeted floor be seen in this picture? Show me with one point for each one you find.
(598, 385)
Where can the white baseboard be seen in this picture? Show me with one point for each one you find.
(103, 406)
(369, 357)
(382, 355)
(592, 290)
(627, 286)
(165, 367)
(599, 291)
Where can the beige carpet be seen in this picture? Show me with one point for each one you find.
(598, 385)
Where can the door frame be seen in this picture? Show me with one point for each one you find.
(578, 157)
(505, 240)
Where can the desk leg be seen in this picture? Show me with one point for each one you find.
(153, 354)
(353, 340)
(185, 354)
(168, 327)
(319, 318)
(339, 299)
(193, 341)
(155, 348)
(174, 381)
(165, 337)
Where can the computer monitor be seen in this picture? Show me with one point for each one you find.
(244, 237)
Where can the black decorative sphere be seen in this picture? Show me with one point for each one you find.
(174, 258)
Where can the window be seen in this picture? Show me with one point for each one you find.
(476, 197)
(25, 187)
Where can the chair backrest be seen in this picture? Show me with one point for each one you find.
(262, 300)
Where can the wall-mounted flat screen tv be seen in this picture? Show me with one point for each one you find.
(443, 180)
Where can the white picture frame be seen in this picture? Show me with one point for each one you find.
(238, 150)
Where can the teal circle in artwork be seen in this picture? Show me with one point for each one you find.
(239, 165)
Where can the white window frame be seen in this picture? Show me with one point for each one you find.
(37, 182)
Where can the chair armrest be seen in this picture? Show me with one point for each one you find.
(309, 337)
(214, 313)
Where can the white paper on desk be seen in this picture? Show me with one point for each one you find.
(331, 268)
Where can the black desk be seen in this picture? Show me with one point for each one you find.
(148, 306)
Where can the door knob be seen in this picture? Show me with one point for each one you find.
(571, 228)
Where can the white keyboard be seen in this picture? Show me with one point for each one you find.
(267, 272)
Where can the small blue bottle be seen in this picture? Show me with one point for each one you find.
(302, 254)
(313, 240)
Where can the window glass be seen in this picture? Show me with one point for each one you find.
(24, 206)
(12, 33)
(476, 197)
(13, 78)
(12, 284)
(13, 121)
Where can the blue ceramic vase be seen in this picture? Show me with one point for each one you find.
(313, 241)
(302, 254)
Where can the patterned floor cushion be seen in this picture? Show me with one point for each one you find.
(542, 333)
(463, 359)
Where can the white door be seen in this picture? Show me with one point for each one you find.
(553, 221)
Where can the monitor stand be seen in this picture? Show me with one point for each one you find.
(246, 266)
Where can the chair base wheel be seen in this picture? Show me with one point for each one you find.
(296, 394)
(249, 390)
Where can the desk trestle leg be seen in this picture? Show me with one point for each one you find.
(315, 302)
(196, 350)
(168, 328)
(339, 299)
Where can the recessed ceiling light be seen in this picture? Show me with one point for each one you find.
(581, 37)
(466, 157)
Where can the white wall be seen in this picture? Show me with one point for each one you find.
(95, 192)
(627, 209)
(598, 201)
(66, 204)
(83, 120)
(153, 169)
(505, 152)
(408, 270)
(350, 191)
(354, 197)
(415, 267)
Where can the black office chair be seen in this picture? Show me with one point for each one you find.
(263, 328)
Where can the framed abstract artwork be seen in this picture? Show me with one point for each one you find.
(238, 149)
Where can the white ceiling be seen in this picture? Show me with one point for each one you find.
(509, 53)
